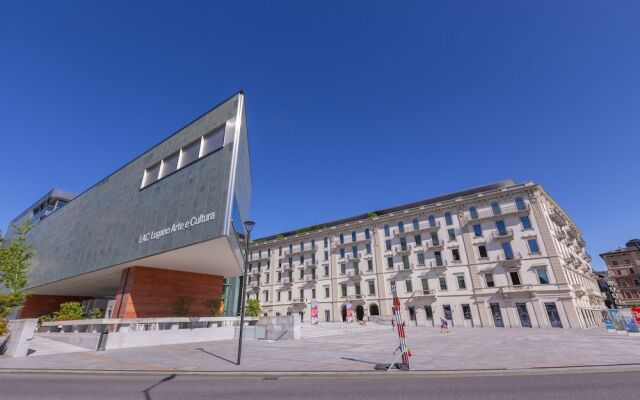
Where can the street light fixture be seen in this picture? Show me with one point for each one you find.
(248, 226)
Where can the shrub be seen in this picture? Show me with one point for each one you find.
(217, 307)
(95, 313)
(68, 311)
(253, 308)
(182, 306)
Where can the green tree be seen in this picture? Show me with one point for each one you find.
(68, 311)
(14, 264)
(252, 308)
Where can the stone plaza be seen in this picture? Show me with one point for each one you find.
(359, 350)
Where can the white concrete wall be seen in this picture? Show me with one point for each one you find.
(121, 340)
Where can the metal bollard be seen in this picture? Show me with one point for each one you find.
(102, 342)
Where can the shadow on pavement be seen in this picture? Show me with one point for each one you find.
(360, 361)
(215, 355)
(147, 396)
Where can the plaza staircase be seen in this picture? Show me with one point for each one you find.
(323, 329)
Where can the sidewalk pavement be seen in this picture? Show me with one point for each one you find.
(462, 349)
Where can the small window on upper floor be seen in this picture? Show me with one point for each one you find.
(367, 234)
(353, 236)
(477, 230)
(416, 224)
(473, 213)
(386, 230)
(447, 218)
(495, 207)
(401, 227)
(526, 222)
(520, 204)
(432, 221)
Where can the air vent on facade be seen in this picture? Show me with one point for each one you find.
(169, 165)
(190, 154)
(151, 175)
(213, 141)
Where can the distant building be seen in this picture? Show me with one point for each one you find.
(624, 268)
(609, 289)
(500, 255)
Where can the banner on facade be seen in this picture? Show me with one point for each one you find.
(314, 312)
(636, 314)
(606, 319)
(615, 317)
(628, 321)
(349, 312)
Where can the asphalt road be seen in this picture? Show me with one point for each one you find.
(583, 386)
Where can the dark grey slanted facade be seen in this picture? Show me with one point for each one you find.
(171, 208)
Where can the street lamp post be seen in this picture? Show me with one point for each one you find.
(248, 226)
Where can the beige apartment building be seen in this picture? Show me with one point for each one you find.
(500, 255)
(624, 269)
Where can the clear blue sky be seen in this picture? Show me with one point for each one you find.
(351, 107)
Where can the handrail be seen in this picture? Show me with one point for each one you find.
(122, 321)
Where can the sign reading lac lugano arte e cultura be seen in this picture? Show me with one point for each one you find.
(176, 227)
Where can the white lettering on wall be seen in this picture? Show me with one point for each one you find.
(176, 227)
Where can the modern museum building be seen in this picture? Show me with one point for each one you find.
(167, 228)
(159, 228)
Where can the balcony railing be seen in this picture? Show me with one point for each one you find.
(263, 257)
(502, 234)
(336, 242)
(354, 276)
(402, 251)
(488, 214)
(421, 229)
(557, 217)
(435, 244)
(424, 293)
(286, 282)
(515, 259)
(354, 257)
(510, 289)
(287, 253)
(560, 235)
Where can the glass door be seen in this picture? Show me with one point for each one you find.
(554, 316)
(497, 315)
(525, 321)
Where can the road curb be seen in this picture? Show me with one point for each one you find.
(609, 368)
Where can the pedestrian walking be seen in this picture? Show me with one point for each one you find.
(444, 325)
